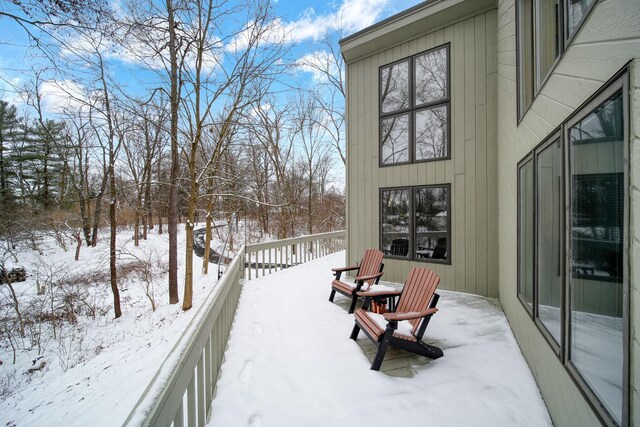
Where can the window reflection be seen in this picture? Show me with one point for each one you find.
(414, 108)
(525, 233)
(394, 87)
(576, 10)
(395, 222)
(431, 217)
(395, 139)
(597, 229)
(549, 237)
(548, 37)
(431, 76)
(431, 133)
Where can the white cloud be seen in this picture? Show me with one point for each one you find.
(9, 90)
(358, 14)
(318, 63)
(351, 16)
(60, 95)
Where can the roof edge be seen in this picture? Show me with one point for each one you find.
(418, 20)
(386, 21)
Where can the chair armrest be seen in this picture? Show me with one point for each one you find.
(365, 278)
(339, 270)
(409, 315)
(374, 294)
(353, 267)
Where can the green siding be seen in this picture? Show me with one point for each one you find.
(471, 170)
(486, 144)
(608, 40)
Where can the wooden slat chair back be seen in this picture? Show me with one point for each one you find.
(369, 271)
(370, 265)
(417, 304)
(417, 293)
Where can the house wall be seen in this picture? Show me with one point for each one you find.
(609, 39)
(471, 171)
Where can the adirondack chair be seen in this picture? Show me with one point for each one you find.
(399, 247)
(404, 327)
(369, 271)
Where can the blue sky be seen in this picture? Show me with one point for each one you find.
(307, 22)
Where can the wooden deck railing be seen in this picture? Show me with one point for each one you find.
(182, 388)
(265, 258)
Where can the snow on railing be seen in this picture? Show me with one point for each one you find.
(182, 389)
(265, 258)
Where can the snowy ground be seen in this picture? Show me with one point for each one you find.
(290, 362)
(93, 372)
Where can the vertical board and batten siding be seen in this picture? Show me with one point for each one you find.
(634, 253)
(471, 171)
(608, 40)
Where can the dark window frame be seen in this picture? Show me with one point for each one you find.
(411, 256)
(412, 109)
(618, 83)
(529, 75)
(529, 159)
(556, 346)
(568, 38)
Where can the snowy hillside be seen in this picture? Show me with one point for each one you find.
(76, 364)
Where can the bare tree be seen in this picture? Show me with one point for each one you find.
(328, 68)
(141, 151)
(89, 56)
(174, 102)
(245, 69)
(268, 128)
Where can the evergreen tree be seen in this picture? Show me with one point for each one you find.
(9, 125)
(48, 167)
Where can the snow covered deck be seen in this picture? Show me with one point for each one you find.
(290, 362)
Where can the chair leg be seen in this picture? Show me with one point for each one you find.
(355, 331)
(354, 301)
(332, 294)
(384, 345)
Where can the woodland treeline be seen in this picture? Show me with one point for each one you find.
(217, 133)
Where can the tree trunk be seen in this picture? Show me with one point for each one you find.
(84, 215)
(187, 301)
(207, 239)
(98, 211)
(173, 180)
(79, 241)
(136, 235)
(112, 246)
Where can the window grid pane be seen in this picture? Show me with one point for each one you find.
(597, 230)
(525, 55)
(431, 133)
(432, 222)
(548, 37)
(395, 139)
(431, 81)
(406, 133)
(576, 11)
(395, 221)
(526, 226)
(394, 87)
(549, 237)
